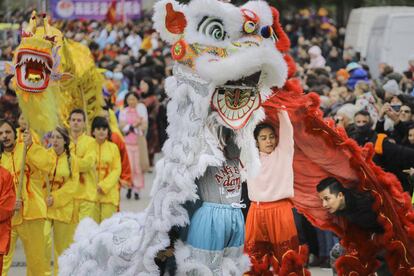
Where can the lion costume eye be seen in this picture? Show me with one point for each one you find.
(212, 27)
(249, 27)
(268, 32)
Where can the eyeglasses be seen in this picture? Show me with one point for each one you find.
(405, 111)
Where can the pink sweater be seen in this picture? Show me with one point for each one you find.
(275, 180)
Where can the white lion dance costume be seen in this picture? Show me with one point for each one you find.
(229, 60)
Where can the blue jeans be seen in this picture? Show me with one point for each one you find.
(326, 240)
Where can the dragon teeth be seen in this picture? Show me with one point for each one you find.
(33, 58)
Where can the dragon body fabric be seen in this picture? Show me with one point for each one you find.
(53, 75)
(232, 70)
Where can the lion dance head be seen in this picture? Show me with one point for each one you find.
(239, 51)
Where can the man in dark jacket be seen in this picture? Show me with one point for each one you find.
(354, 206)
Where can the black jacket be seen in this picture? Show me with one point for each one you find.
(358, 211)
(396, 158)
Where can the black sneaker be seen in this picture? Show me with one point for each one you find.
(315, 262)
(128, 195)
(136, 195)
(325, 264)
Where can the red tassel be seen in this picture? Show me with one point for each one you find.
(274, 264)
(293, 263)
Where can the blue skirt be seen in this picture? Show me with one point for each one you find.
(215, 227)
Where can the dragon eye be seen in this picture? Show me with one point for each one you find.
(212, 27)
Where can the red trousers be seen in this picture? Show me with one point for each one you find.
(272, 222)
(270, 234)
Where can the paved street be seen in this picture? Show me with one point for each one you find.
(19, 266)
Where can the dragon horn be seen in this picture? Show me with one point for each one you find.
(46, 25)
(31, 28)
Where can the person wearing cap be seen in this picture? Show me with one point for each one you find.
(395, 76)
(391, 89)
(356, 73)
(342, 77)
(316, 58)
(345, 117)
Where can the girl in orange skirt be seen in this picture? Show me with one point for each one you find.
(271, 237)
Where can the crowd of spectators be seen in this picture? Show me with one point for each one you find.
(365, 106)
(377, 110)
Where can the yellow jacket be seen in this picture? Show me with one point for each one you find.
(85, 152)
(38, 163)
(109, 171)
(146, 43)
(63, 187)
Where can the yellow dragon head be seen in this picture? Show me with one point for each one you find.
(53, 75)
(35, 65)
(35, 58)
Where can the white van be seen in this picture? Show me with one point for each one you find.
(360, 22)
(391, 41)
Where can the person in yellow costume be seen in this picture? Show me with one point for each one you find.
(23, 125)
(108, 168)
(83, 147)
(29, 220)
(64, 182)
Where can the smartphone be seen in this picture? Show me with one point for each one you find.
(396, 107)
